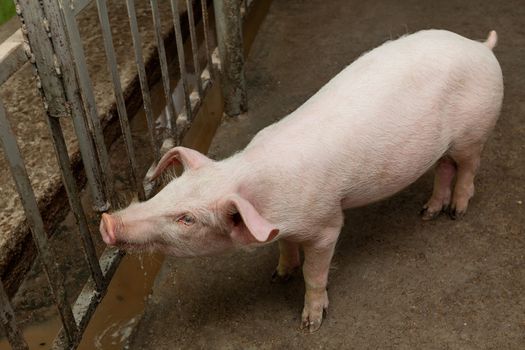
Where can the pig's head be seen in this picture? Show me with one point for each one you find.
(198, 213)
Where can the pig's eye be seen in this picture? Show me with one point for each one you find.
(186, 219)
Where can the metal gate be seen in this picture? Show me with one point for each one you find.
(53, 45)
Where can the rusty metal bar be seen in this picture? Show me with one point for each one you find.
(206, 29)
(8, 322)
(56, 69)
(119, 96)
(68, 180)
(228, 24)
(84, 84)
(182, 60)
(36, 27)
(64, 64)
(172, 115)
(31, 15)
(194, 45)
(146, 97)
(12, 55)
(207, 83)
(46, 252)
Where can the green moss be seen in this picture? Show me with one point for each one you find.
(7, 10)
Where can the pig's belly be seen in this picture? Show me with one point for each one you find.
(368, 187)
(363, 197)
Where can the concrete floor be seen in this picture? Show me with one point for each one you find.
(397, 282)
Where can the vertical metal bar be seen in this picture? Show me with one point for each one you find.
(70, 84)
(172, 116)
(75, 105)
(229, 36)
(47, 256)
(146, 98)
(180, 54)
(8, 322)
(62, 63)
(49, 80)
(194, 46)
(78, 63)
(68, 179)
(206, 29)
(121, 105)
(88, 299)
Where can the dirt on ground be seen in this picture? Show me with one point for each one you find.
(396, 282)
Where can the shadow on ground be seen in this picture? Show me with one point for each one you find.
(396, 282)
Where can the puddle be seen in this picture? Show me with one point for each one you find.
(122, 306)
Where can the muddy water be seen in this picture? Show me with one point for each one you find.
(120, 309)
(115, 317)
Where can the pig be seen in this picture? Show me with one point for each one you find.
(428, 98)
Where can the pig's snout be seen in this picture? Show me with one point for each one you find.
(108, 228)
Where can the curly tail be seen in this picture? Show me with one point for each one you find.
(492, 39)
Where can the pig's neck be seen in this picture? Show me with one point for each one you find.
(243, 175)
(260, 178)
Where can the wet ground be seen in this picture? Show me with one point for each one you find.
(396, 282)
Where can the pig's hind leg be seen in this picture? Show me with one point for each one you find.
(467, 161)
(289, 261)
(442, 192)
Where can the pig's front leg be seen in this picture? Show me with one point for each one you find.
(289, 260)
(317, 257)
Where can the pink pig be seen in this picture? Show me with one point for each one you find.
(427, 98)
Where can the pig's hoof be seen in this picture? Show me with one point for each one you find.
(311, 321)
(277, 278)
(455, 214)
(427, 214)
(314, 311)
(284, 275)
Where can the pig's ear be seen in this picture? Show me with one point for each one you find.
(247, 225)
(190, 159)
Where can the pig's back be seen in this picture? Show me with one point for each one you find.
(385, 119)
